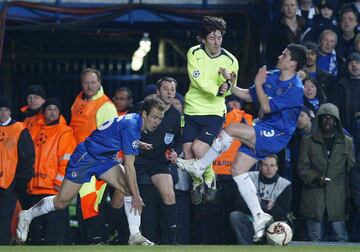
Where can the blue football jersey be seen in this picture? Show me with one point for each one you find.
(285, 99)
(121, 133)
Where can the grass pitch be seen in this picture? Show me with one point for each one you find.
(195, 248)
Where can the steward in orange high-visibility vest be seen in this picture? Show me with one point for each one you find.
(35, 99)
(16, 166)
(90, 110)
(222, 165)
(54, 143)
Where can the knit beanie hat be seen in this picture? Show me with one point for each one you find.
(37, 90)
(5, 101)
(53, 101)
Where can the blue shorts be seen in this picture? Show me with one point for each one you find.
(268, 141)
(205, 128)
(82, 166)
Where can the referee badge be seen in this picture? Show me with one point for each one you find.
(168, 138)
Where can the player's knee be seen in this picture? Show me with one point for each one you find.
(168, 197)
(237, 171)
(231, 129)
(118, 203)
(187, 149)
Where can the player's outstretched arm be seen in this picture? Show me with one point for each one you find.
(261, 96)
(239, 92)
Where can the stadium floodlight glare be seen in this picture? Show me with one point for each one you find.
(145, 42)
(141, 52)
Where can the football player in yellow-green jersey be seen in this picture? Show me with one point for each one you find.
(209, 69)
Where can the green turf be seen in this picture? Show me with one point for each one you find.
(197, 248)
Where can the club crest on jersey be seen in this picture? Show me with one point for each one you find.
(196, 74)
(135, 144)
(168, 138)
(74, 174)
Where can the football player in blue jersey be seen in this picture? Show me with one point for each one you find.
(279, 94)
(97, 156)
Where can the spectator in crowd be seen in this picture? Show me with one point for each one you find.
(307, 10)
(123, 100)
(348, 28)
(324, 165)
(209, 66)
(16, 169)
(288, 30)
(54, 144)
(233, 102)
(314, 96)
(91, 109)
(35, 99)
(154, 163)
(326, 19)
(349, 86)
(326, 80)
(274, 195)
(327, 58)
(95, 156)
(356, 46)
(280, 96)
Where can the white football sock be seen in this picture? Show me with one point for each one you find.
(248, 192)
(134, 220)
(221, 144)
(44, 206)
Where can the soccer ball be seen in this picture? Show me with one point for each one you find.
(279, 233)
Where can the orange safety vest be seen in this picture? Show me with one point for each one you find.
(83, 122)
(222, 165)
(30, 121)
(83, 116)
(9, 138)
(54, 145)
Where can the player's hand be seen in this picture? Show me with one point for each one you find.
(270, 205)
(145, 146)
(261, 113)
(233, 78)
(301, 74)
(171, 155)
(261, 76)
(137, 205)
(224, 72)
(223, 88)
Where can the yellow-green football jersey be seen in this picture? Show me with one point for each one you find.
(205, 80)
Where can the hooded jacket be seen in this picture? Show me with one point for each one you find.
(315, 162)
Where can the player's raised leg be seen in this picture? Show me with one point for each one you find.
(48, 204)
